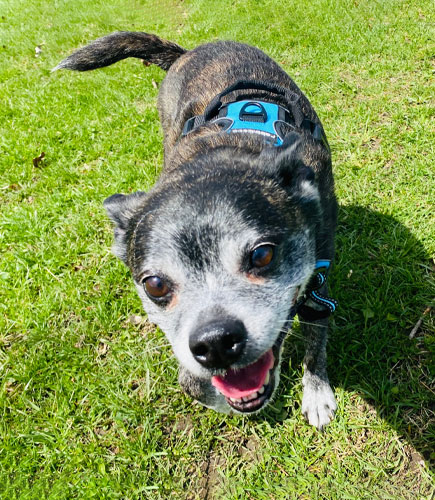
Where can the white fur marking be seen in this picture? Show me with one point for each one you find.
(318, 405)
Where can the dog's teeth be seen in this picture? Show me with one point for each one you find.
(260, 391)
(254, 395)
(237, 400)
(246, 398)
(267, 378)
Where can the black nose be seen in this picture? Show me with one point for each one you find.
(219, 343)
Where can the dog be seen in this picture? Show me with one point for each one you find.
(237, 234)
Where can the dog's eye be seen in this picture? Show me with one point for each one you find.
(262, 256)
(155, 287)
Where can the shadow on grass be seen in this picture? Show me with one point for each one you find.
(381, 279)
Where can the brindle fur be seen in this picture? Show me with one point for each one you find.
(218, 192)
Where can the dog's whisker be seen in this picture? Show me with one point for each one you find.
(302, 322)
(156, 348)
(294, 334)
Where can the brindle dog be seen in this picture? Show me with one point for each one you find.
(223, 249)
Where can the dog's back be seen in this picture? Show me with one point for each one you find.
(202, 73)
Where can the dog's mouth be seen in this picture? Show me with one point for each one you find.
(249, 388)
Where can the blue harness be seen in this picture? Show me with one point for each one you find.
(270, 120)
(273, 122)
(255, 117)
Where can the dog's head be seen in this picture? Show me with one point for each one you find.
(219, 253)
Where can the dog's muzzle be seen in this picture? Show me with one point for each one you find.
(219, 345)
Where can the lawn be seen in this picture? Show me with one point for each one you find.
(89, 401)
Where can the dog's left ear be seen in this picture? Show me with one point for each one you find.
(121, 209)
(293, 173)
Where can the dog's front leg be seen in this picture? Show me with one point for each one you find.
(318, 401)
(203, 391)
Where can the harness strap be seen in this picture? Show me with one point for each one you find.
(291, 97)
(317, 281)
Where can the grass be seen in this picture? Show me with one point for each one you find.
(89, 403)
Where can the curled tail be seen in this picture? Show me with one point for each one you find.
(120, 45)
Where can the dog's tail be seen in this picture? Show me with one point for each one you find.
(120, 45)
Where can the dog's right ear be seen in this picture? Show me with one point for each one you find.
(121, 209)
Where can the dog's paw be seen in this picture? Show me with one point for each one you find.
(318, 405)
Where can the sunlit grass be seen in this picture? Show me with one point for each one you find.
(89, 402)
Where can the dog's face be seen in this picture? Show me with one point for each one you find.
(218, 258)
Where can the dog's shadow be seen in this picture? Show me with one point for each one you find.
(381, 280)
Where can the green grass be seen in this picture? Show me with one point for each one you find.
(89, 403)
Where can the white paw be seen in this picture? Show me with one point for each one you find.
(318, 405)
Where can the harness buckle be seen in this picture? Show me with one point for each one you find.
(253, 112)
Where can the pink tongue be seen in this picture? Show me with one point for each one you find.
(239, 383)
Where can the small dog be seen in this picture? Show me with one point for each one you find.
(236, 236)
